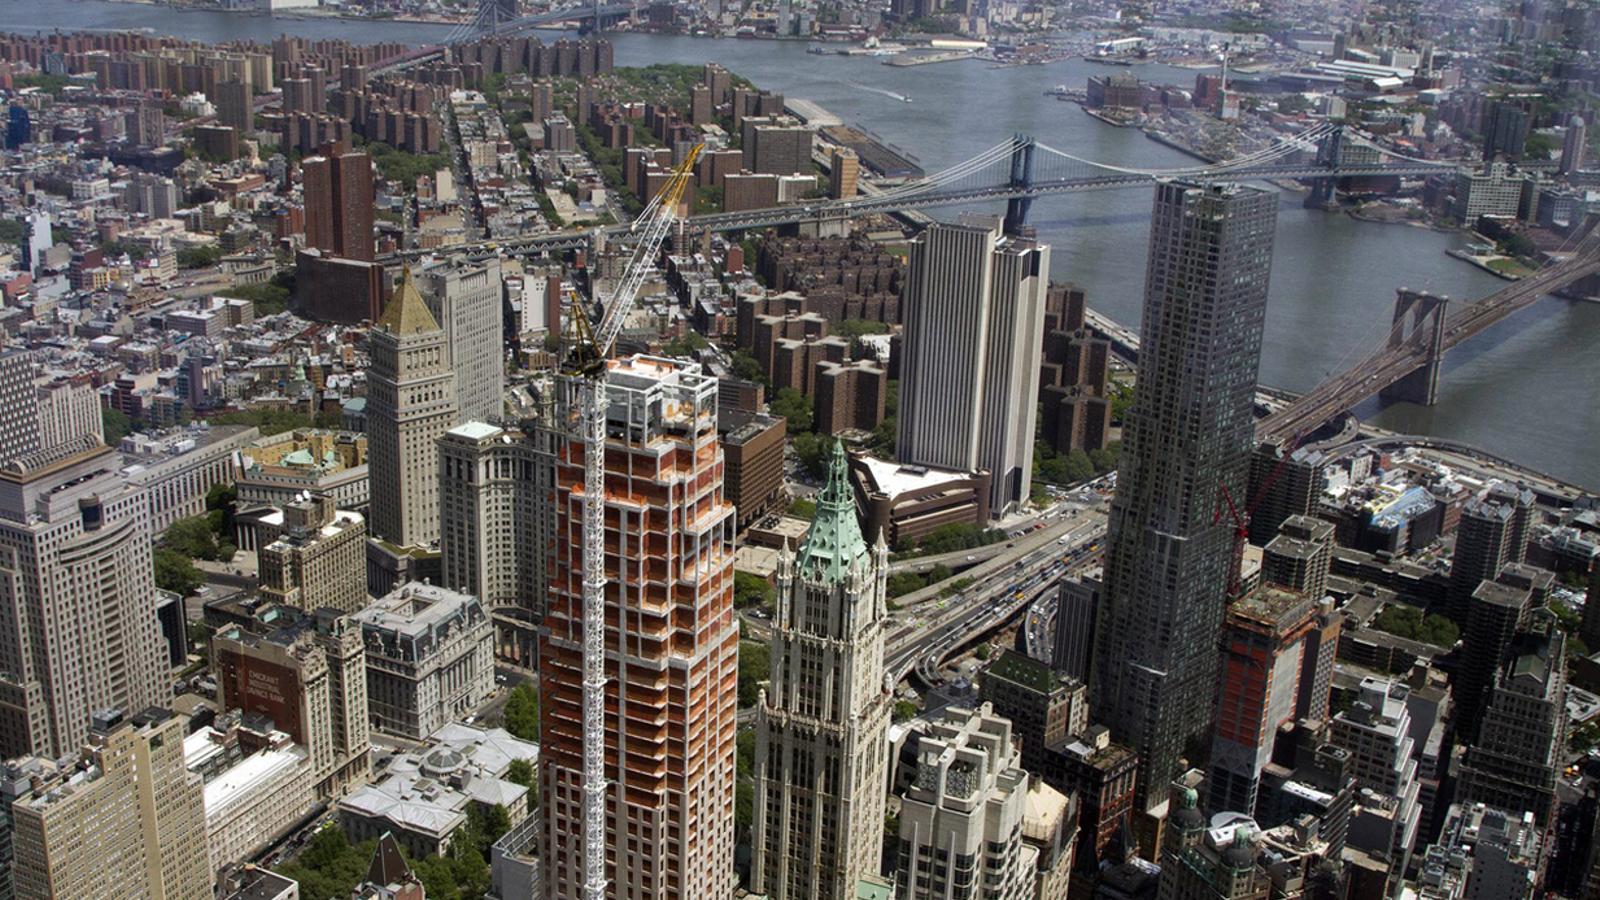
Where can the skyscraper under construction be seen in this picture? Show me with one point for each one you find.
(1186, 439)
(671, 645)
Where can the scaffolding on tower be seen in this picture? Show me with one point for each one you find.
(588, 350)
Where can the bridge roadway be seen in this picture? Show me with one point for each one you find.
(574, 13)
(1390, 364)
(897, 202)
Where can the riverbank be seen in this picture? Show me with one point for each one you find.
(1504, 267)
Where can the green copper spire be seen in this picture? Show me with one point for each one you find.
(834, 541)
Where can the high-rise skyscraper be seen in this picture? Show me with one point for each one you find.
(1376, 730)
(672, 645)
(78, 626)
(1258, 689)
(308, 673)
(1280, 487)
(1522, 739)
(961, 821)
(466, 300)
(844, 173)
(36, 239)
(19, 126)
(411, 403)
(147, 125)
(1076, 610)
(68, 408)
(974, 311)
(1187, 436)
(234, 107)
(338, 194)
(130, 822)
(319, 558)
(1505, 130)
(19, 405)
(1300, 556)
(495, 526)
(822, 723)
(1574, 146)
(1493, 531)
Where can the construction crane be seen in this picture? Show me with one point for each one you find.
(585, 365)
(1241, 519)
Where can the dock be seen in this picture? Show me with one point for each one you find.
(925, 59)
(810, 113)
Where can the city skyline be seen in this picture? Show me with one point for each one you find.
(446, 457)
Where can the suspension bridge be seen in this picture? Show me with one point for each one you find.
(1020, 169)
(1406, 367)
(500, 17)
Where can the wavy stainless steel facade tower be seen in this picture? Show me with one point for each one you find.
(1188, 434)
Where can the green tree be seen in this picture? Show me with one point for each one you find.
(982, 651)
(1121, 400)
(404, 167)
(812, 452)
(1410, 623)
(902, 583)
(174, 572)
(1078, 467)
(750, 590)
(199, 257)
(522, 712)
(854, 328)
(1519, 245)
(802, 508)
(330, 867)
(1105, 459)
(115, 424)
(1540, 146)
(10, 231)
(1438, 630)
(522, 772)
(686, 345)
(491, 824)
(745, 366)
(193, 537)
(755, 667)
(794, 407)
(270, 421)
(268, 298)
(904, 710)
(954, 536)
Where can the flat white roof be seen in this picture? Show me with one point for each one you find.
(476, 431)
(249, 773)
(894, 478)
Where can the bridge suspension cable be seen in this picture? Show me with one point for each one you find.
(948, 177)
(1305, 140)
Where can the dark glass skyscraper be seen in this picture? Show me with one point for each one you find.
(1189, 433)
(19, 127)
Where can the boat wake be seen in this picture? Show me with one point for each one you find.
(891, 94)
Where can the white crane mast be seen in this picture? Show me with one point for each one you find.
(588, 365)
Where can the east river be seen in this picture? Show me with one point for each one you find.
(1528, 389)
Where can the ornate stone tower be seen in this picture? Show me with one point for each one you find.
(821, 724)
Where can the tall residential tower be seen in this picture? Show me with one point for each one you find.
(1187, 437)
(672, 645)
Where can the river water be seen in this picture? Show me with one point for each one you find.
(1525, 389)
